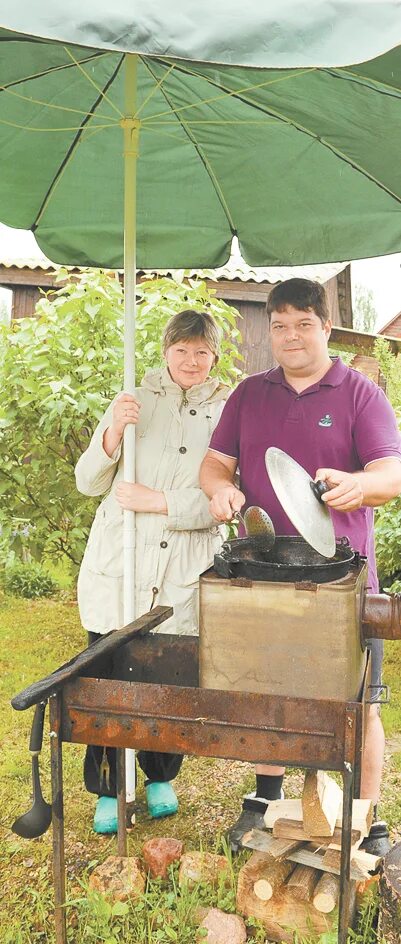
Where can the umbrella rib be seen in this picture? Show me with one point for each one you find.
(312, 134)
(365, 81)
(44, 104)
(72, 148)
(203, 158)
(92, 82)
(53, 70)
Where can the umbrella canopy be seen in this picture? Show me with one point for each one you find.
(265, 33)
(302, 164)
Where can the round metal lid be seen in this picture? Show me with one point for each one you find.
(309, 516)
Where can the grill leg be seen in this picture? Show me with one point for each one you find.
(56, 761)
(121, 804)
(348, 792)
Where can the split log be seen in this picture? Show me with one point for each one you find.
(362, 814)
(292, 829)
(327, 893)
(390, 905)
(361, 860)
(321, 801)
(260, 877)
(302, 882)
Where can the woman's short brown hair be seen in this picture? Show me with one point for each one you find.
(192, 324)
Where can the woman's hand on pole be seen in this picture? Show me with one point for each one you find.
(125, 411)
(136, 497)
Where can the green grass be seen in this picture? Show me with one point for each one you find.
(36, 637)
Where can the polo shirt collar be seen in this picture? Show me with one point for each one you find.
(333, 378)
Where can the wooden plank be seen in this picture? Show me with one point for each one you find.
(293, 829)
(104, 646)
(362, 814)
(277, 848)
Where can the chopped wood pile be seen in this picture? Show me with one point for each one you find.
(291, 881)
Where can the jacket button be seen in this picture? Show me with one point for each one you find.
(163, 543)
(182, 449)
(193, 412)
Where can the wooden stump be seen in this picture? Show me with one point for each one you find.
(390, 905)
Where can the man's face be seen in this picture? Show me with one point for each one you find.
(299, 341)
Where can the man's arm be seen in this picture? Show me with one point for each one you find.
(217, 481)
(377, 484)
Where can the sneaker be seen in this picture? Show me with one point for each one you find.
(378, 841)
(105, 818)
(251, 817)
(161, 799)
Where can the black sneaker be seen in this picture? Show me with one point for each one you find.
(378, 841)
(251, 817)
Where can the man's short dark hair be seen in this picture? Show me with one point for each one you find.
(300, 293)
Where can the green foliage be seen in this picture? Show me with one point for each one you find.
(58, 372)
(28, 580)
(363, 309)
(388, 517)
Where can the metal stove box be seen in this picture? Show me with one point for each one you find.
(297, 639)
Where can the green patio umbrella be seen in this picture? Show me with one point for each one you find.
(235, 120)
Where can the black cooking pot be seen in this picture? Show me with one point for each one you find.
(290, 559)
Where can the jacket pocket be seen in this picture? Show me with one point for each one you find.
(104, 550)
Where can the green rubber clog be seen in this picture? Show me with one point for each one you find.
(161, 799)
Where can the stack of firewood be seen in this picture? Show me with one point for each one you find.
(291, 881)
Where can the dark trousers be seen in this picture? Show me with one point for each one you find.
(157, 766)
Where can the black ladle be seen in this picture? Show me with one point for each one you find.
(37, 820)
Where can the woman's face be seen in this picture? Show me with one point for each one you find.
(189, 362)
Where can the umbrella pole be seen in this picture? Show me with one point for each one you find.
(131, 127)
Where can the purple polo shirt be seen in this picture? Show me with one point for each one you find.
(342, 422)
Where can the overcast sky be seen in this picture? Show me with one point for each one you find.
(382, 275)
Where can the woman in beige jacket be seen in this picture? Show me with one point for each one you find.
(175, 411)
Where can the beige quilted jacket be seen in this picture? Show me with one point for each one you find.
(172, 437)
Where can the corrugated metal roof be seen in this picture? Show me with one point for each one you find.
(234, 270)
(39, 262)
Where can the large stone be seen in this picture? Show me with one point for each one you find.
(158, 854)
(202, 867)
(118, 878)
(223, 928)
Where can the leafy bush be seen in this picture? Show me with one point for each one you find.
(388, 517)
(58, 372)
(29, 580)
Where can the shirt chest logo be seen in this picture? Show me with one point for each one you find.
(326, 420)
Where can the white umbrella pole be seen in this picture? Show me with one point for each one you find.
(130, 126)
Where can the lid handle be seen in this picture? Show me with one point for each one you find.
(319, 488)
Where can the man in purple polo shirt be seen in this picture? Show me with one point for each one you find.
(341, 428)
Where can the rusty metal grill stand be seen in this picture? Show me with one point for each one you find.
(209, 723)
(161, 708)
